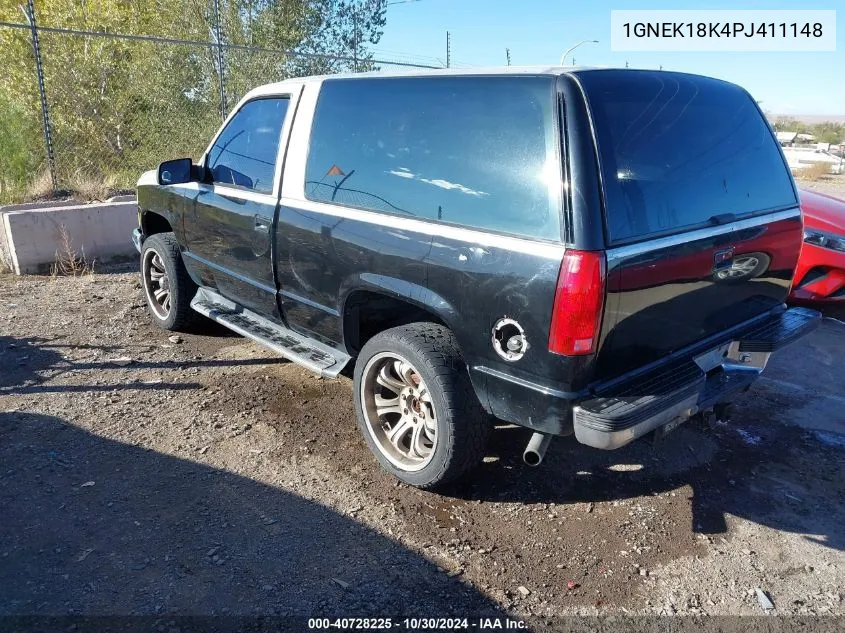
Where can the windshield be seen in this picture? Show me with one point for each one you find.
(678, 150)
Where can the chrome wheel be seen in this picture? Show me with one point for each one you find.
(398, 411)
(742, 267)
(156, 284)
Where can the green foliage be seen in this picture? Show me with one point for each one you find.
(826, 132)
(119, 107)
(20, 153)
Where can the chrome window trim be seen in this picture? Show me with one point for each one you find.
(547, 250)
(631, 250)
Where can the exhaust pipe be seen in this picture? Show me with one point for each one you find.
(536, 449)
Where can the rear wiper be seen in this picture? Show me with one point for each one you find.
(723, 218)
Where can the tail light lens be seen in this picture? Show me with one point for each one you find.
(578, 303)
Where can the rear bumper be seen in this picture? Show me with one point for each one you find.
(633, 406)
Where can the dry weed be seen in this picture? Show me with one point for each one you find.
(69, 262)
(40, 187)
(91, 189)
(813, 172)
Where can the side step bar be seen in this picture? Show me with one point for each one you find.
(311, 354)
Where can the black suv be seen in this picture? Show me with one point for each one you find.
(562, 249)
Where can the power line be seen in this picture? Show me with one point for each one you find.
(409, 57)
(173, 40)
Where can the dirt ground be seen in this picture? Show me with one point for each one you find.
(143, 474)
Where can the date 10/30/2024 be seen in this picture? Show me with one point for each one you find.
(416, 624)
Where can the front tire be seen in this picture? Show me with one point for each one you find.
(416, 406)
(168, 288)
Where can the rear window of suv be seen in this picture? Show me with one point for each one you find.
(677, 150)
(480, 152)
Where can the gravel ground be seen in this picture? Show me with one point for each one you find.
(147, 474)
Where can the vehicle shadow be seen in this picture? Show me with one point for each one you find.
(24, 363)
(760, 465)
(771, 480)
(93, 526)
(22, 358)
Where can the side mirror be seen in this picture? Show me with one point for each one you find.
(175, 172)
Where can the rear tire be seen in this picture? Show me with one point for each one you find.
(168, 288)
(416, 406)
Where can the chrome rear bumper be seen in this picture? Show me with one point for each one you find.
(674, 392)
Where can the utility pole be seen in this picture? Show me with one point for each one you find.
(448, 49)
(508, 55)
(221, 72)
(355, 40)
(45, 112)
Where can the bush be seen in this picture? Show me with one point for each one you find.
(21, 151)
(813, 172)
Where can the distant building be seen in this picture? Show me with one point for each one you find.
(787, 139)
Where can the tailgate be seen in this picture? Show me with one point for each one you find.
(701, 216)
(665, 294)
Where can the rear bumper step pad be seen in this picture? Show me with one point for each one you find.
(633, 408)
(780, 331)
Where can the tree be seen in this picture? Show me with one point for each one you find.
(825, 132)
(828, 132)
(788, 124)
(338, 35)
(120, 106)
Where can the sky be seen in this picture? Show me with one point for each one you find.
(538, 31)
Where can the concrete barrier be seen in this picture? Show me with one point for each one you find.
(31, 235)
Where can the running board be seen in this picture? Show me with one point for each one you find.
(300, 349)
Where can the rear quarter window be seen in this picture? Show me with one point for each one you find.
(480, 152)
(677, 150)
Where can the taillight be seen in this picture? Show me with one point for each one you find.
(578, 303)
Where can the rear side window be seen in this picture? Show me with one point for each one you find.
(474, 151)
(244, 155)
(677, 150)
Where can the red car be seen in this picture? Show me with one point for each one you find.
(820, 275)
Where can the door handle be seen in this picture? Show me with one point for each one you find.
(723, 259)
(262, 225)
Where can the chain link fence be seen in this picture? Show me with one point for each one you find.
(116, 105)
